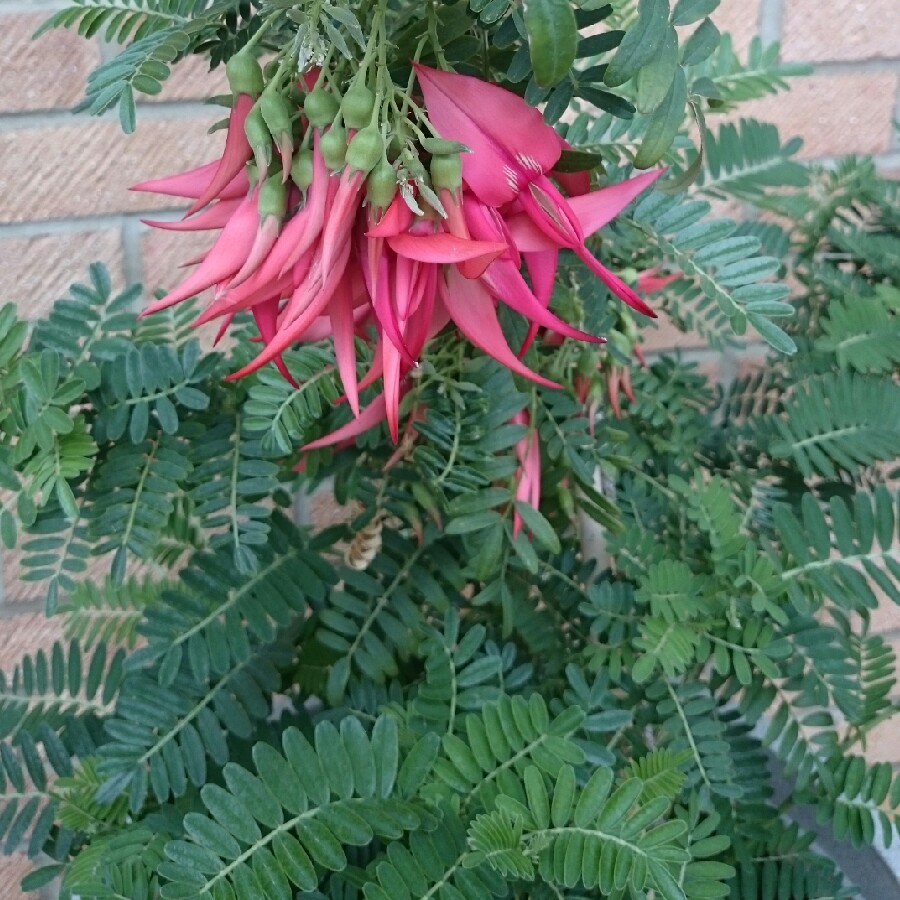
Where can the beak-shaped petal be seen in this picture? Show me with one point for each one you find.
(225, 257)
(445, 248)
(373, 414)
(599, 208)
(194, 182)
(217, 216)
(510, 142)
(235, 155)
(472, 310)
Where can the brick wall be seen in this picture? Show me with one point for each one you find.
(64, 203)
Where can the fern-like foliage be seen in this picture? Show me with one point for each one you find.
(505, 737)
(375, 619)
(863, 532)
(27, 805)
(281, 415)
(287, 823)
(212, 619)
(150, 379)
(191, 721)
(864, 332)
(838, 422)
(233, 486)
(108, 613)
(134, 496)
(596, 836)
(724, 278)
(49, 689)
(747, 159)
(727, 81)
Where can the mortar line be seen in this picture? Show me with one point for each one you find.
(771, 21)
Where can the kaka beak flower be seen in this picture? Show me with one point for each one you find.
(496, 124)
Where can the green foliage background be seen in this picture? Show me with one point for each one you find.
(238, 713)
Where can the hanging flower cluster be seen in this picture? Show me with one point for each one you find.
(331, 227)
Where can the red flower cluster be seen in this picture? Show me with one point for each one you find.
(326, 246)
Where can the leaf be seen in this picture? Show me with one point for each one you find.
(552, 39)
(641, 42)
(663, 124)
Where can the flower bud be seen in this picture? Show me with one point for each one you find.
(365, 150)
(334, 147)
(244, 74)
(446, 172)
(320, 107)
(441, 147)
(272, 200)
(381, 185)
(259, 138)
(275, 112)
(302, 169)
(358, 105)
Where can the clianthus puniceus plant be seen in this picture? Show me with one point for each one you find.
(581, 603)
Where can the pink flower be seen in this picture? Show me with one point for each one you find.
(528, 474)
(313, 260)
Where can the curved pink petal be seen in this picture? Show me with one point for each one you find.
(471, 308)
(341, 314)
(216, 216)
(510, 142)
(235, 155)
(373, 414)
(506, 283)
(224, 258)
(600, 207)
(396, 219)
(442, 247)
(614, 283)
(193, 183)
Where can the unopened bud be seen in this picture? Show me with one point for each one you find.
(259, 138)
(381, 185)
(320, 107)
(358, 105)
(446, 172)
(272, 199)
(302, 169)
(365, 150)
(441, 147)
(275, 112)
(334, 147)
(244, 74)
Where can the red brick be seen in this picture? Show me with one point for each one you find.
(164, 252)
(663, 335)
(884, 742)
(12, 870)
(38, 270)
(48, 73)
(24, 634)
(740, 19)
(834, 114)
(86, 169)
(840, 30)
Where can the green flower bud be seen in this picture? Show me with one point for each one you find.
(320, 107)
(275, 111)
(334, 147)
(272, 199)
(441, 147)
(302, 169)
(259, 138)
(358, 105)
(365, 150)
(381, 185)
(244, 74)
(446, 172)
